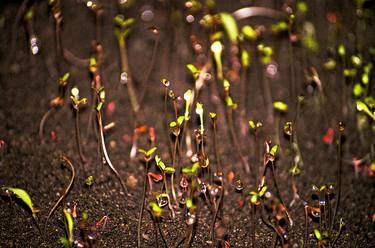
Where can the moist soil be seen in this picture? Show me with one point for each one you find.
(29, 82)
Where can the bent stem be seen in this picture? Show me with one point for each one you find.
(104, 150)
(66, 191)
(43, 122)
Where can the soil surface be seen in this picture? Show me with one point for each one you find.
(28, 82)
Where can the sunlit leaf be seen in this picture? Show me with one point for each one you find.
(23, 195)
(280, 106)
(230, 26)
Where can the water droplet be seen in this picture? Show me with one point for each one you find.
(123, 78)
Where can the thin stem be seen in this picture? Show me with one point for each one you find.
(339, 169)
(43, 122)
(278, 193)
(174, 165)
(104, 150)
(66, 191)
(78, 139)
(142, 204)
(125, 69)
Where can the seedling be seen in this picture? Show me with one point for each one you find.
(147, 156)
(55, 103)
(122, 31)
(25, 198)
(67, 189)
(68, 240)
(255, 200)
(165, 170)
(230, 26)
(58, 18)
(77, 102)
(100, 103)
(156, 212)
(217, 49)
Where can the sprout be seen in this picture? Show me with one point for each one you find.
(199, 111)
(230, 26)
(361, 106)
(25, 198)
(280, 106)
(341, 50)
(245, 58)
(89, 181)
(217, 49)
(68, 241)
(155, 209)
(188, 97)
(249, 33)
(318, 235)
(147, 154)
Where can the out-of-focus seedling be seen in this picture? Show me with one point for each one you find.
(217, 49)
(122, 31)
(55, 103)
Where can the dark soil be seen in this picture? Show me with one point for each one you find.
(29, 82)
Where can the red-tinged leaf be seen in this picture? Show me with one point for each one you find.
(141, 129)
(111, 107)
(328, 138)
(53, 135)
(155, 177)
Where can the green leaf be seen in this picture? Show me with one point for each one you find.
(65, 77)
(212, 115)
(70, 225)
(193, 70)
(274, 150)
(302, 7)
(295, 170)
(190, 204)
(230, 26)
(280, 106)
(341, 50)
(330, 64)
(263, 191)
(172, 124)
(151, 151)
(357, 90)
(180, 119)
(142, 151)
(24, 196)
(64, 241)
(89, 180)
(245, 58)
(363, 107)
(169, 170)
(356, 61)
(249, 32)
(318, 235)
(252, 124)
(29, 14)
(156, 210)
(254, 198)
(187, 170)
(160, 163)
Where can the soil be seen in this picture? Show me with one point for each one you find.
(28, 83)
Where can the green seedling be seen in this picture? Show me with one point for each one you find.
(255, 200)
(55, 103)
(213, 117)
(362, 107)
(249, 33)
(165, 170)
(217, 49)
(100, 102)
(25, 198)
(190, 221)
(230, 26)
(122, 31)
(147, 156)
(66, 191)
(156, 212)
(89, 181)
(77, 103)
(68, 240)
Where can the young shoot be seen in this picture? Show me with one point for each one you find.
(217, 49)
(165, 170)
(25, 198)
(68, 240)
(147, 156)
